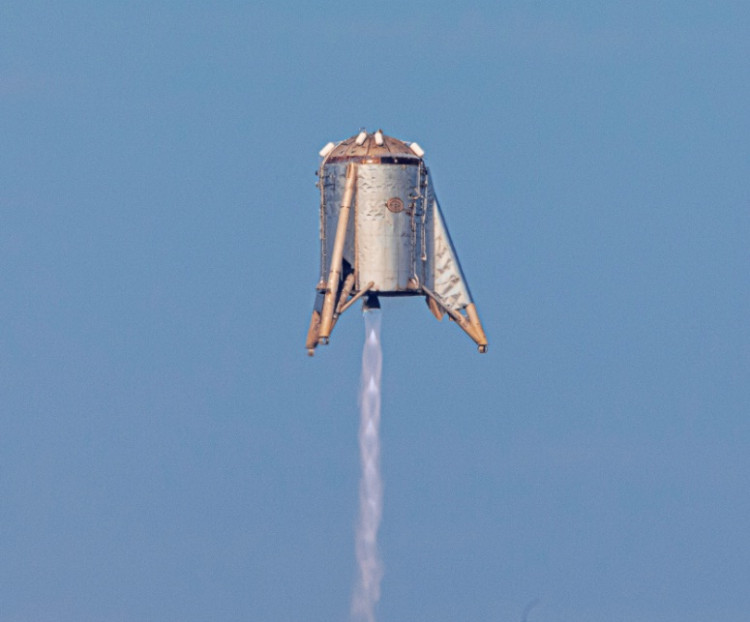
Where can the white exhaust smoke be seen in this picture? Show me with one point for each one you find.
(367, 590)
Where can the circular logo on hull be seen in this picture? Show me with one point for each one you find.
(395, 205)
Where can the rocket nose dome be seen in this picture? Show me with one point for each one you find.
(374, 147)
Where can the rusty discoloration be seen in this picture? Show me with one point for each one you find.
(471, 313)
(312, 333)
(369, 152)
(435, 308)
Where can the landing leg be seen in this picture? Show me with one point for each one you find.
(314, 330)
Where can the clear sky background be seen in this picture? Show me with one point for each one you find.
(168, 453)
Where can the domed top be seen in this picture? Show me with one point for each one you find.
(373, 148)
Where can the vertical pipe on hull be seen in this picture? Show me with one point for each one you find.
(326, 320)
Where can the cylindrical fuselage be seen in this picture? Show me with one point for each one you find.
(385, 241)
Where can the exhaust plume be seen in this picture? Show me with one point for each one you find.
(367, 590)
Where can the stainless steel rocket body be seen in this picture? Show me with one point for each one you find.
(380, 218)
(397, 238)
(381, 241)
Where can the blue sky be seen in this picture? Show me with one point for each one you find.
(167, 450)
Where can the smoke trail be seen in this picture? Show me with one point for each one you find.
(367, 591)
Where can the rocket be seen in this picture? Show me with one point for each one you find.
(382, 233)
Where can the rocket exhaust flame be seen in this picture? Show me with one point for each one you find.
(367, 590)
